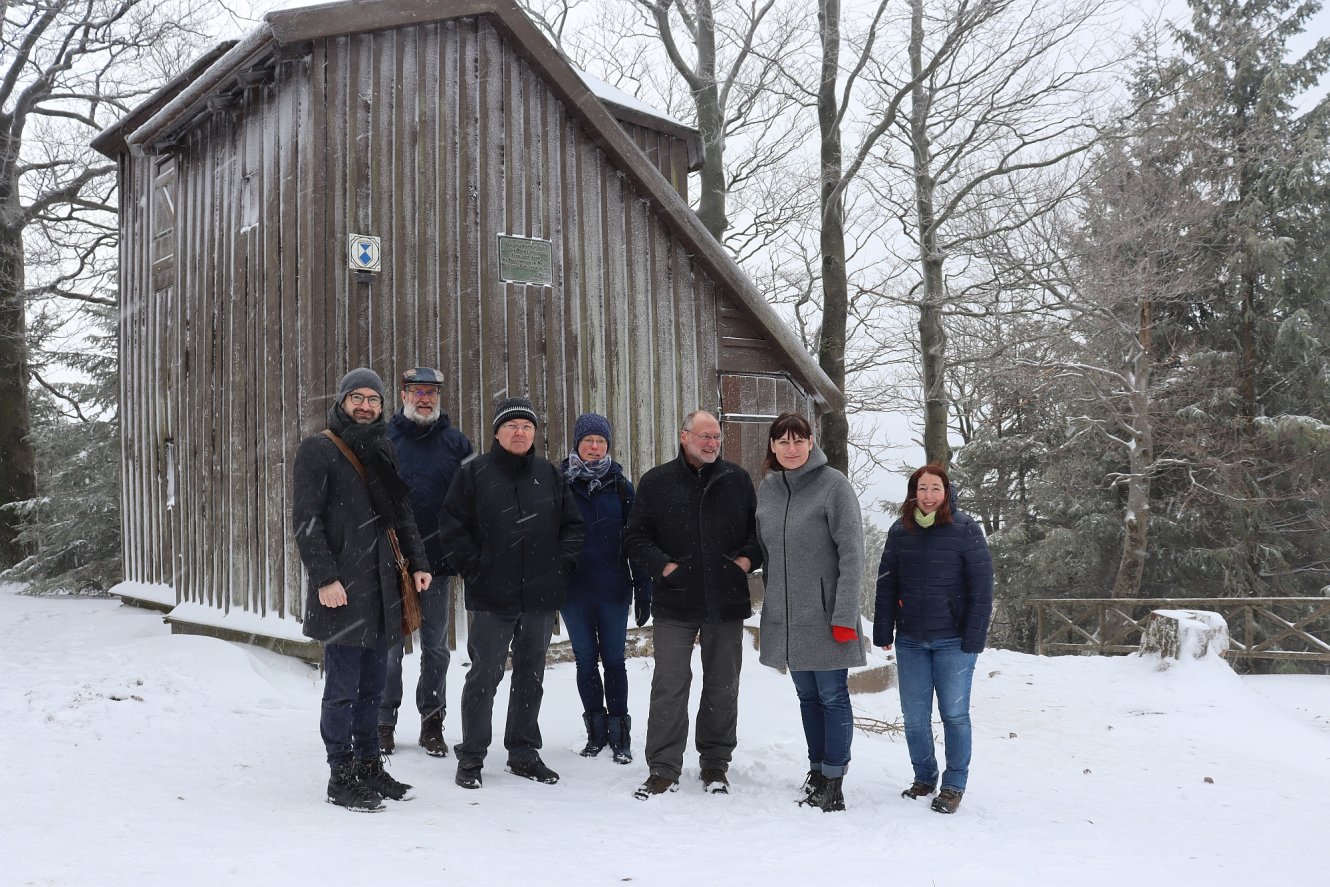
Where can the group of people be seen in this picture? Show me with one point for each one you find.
(375, 497)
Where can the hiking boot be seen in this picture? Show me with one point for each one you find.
(346, 790)
(597, 733)
(535, 770)
(813, 783)
(431, 735)
(715, 782)
(373, 776)
(655, 785)
(828, 798)
(947, 801)
(386, 743)
(468, 777)
(918, 790)
(620, 744)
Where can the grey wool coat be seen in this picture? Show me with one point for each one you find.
(813, 544)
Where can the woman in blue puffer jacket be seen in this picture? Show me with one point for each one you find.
(935, 603)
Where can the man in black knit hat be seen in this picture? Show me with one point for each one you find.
(511, 528)
(347, 496)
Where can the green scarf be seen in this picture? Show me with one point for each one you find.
(924, 520)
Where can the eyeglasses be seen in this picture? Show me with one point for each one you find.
(423, 392)
(372, 399)
(709, 438)
(514, 427)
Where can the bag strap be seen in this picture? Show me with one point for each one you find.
(360, 469)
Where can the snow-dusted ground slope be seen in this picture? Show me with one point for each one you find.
(134, 757)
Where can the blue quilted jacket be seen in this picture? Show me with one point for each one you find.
(934, 583)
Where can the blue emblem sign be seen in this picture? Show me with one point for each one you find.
(365, 253)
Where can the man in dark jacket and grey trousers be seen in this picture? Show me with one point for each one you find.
(693, 528)
(429, 452)
(510, 526)
(345, 502)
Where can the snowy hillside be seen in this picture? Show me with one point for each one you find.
(134, 757)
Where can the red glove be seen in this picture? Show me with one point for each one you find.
(844, 635)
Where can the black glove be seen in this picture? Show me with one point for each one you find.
(642, 608)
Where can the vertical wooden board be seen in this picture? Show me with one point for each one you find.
(283, 396)
(430, 245)
(591, 237)
(343, 134)
(470, 236)
(708, 337)
(385, 137)
(314, 298)
(449, 188)
(268, 383)
(193, 467)
(186, 237)
(670, 406)
(405, 140)
(683, 291)
(493, 297)
(511, 219)
(129, 301)
(652, 442)
(252, 308)
(618, 404)
(565, 220)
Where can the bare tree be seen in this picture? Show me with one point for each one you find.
(67, 68)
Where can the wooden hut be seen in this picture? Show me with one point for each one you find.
(531, 238)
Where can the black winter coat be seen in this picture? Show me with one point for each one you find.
(510, 527)
(341, 538)
(702, 521)
(429, 456)
(935, 582)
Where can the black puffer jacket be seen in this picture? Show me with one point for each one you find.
(510, 527)
(700, 520)
(341, 538)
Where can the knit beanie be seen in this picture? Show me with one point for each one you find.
(514, 408)
(591, 423)
(361, 377)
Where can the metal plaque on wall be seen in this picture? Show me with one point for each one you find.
(526, 260)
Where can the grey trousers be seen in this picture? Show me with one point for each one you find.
(487, 643)
(718, 712)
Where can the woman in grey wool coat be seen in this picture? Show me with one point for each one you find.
(813, 543)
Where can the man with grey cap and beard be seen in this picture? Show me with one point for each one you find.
(348, 495)
(429, 451)
(511, 527)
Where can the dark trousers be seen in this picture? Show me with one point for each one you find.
(435, 610)
(598, 631)
(352, 687)
(718, 713)
(488, 643)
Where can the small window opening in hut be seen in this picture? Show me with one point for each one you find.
(163, 224)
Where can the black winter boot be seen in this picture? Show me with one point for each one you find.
(829, 798)
(814, 782)
(620, 743)
(431, 735)
(597, 728)
(345, 789)
(373, 776)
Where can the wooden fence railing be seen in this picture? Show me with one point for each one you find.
(1259, 628)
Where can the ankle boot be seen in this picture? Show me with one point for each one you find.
(431, 735)
(620, 743)
(829, 797)
(597, 729)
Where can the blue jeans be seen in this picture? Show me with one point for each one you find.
(352, 688)
(598, 632)
(940, 667)
(824, 704)
(435, 611)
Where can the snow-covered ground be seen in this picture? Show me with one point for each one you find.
(134, 757)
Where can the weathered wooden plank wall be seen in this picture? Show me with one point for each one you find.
(437, 138)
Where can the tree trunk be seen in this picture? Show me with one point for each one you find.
(932, 335)
(835, 430)
(711, 125)
(17, 473)
(1140, 461)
